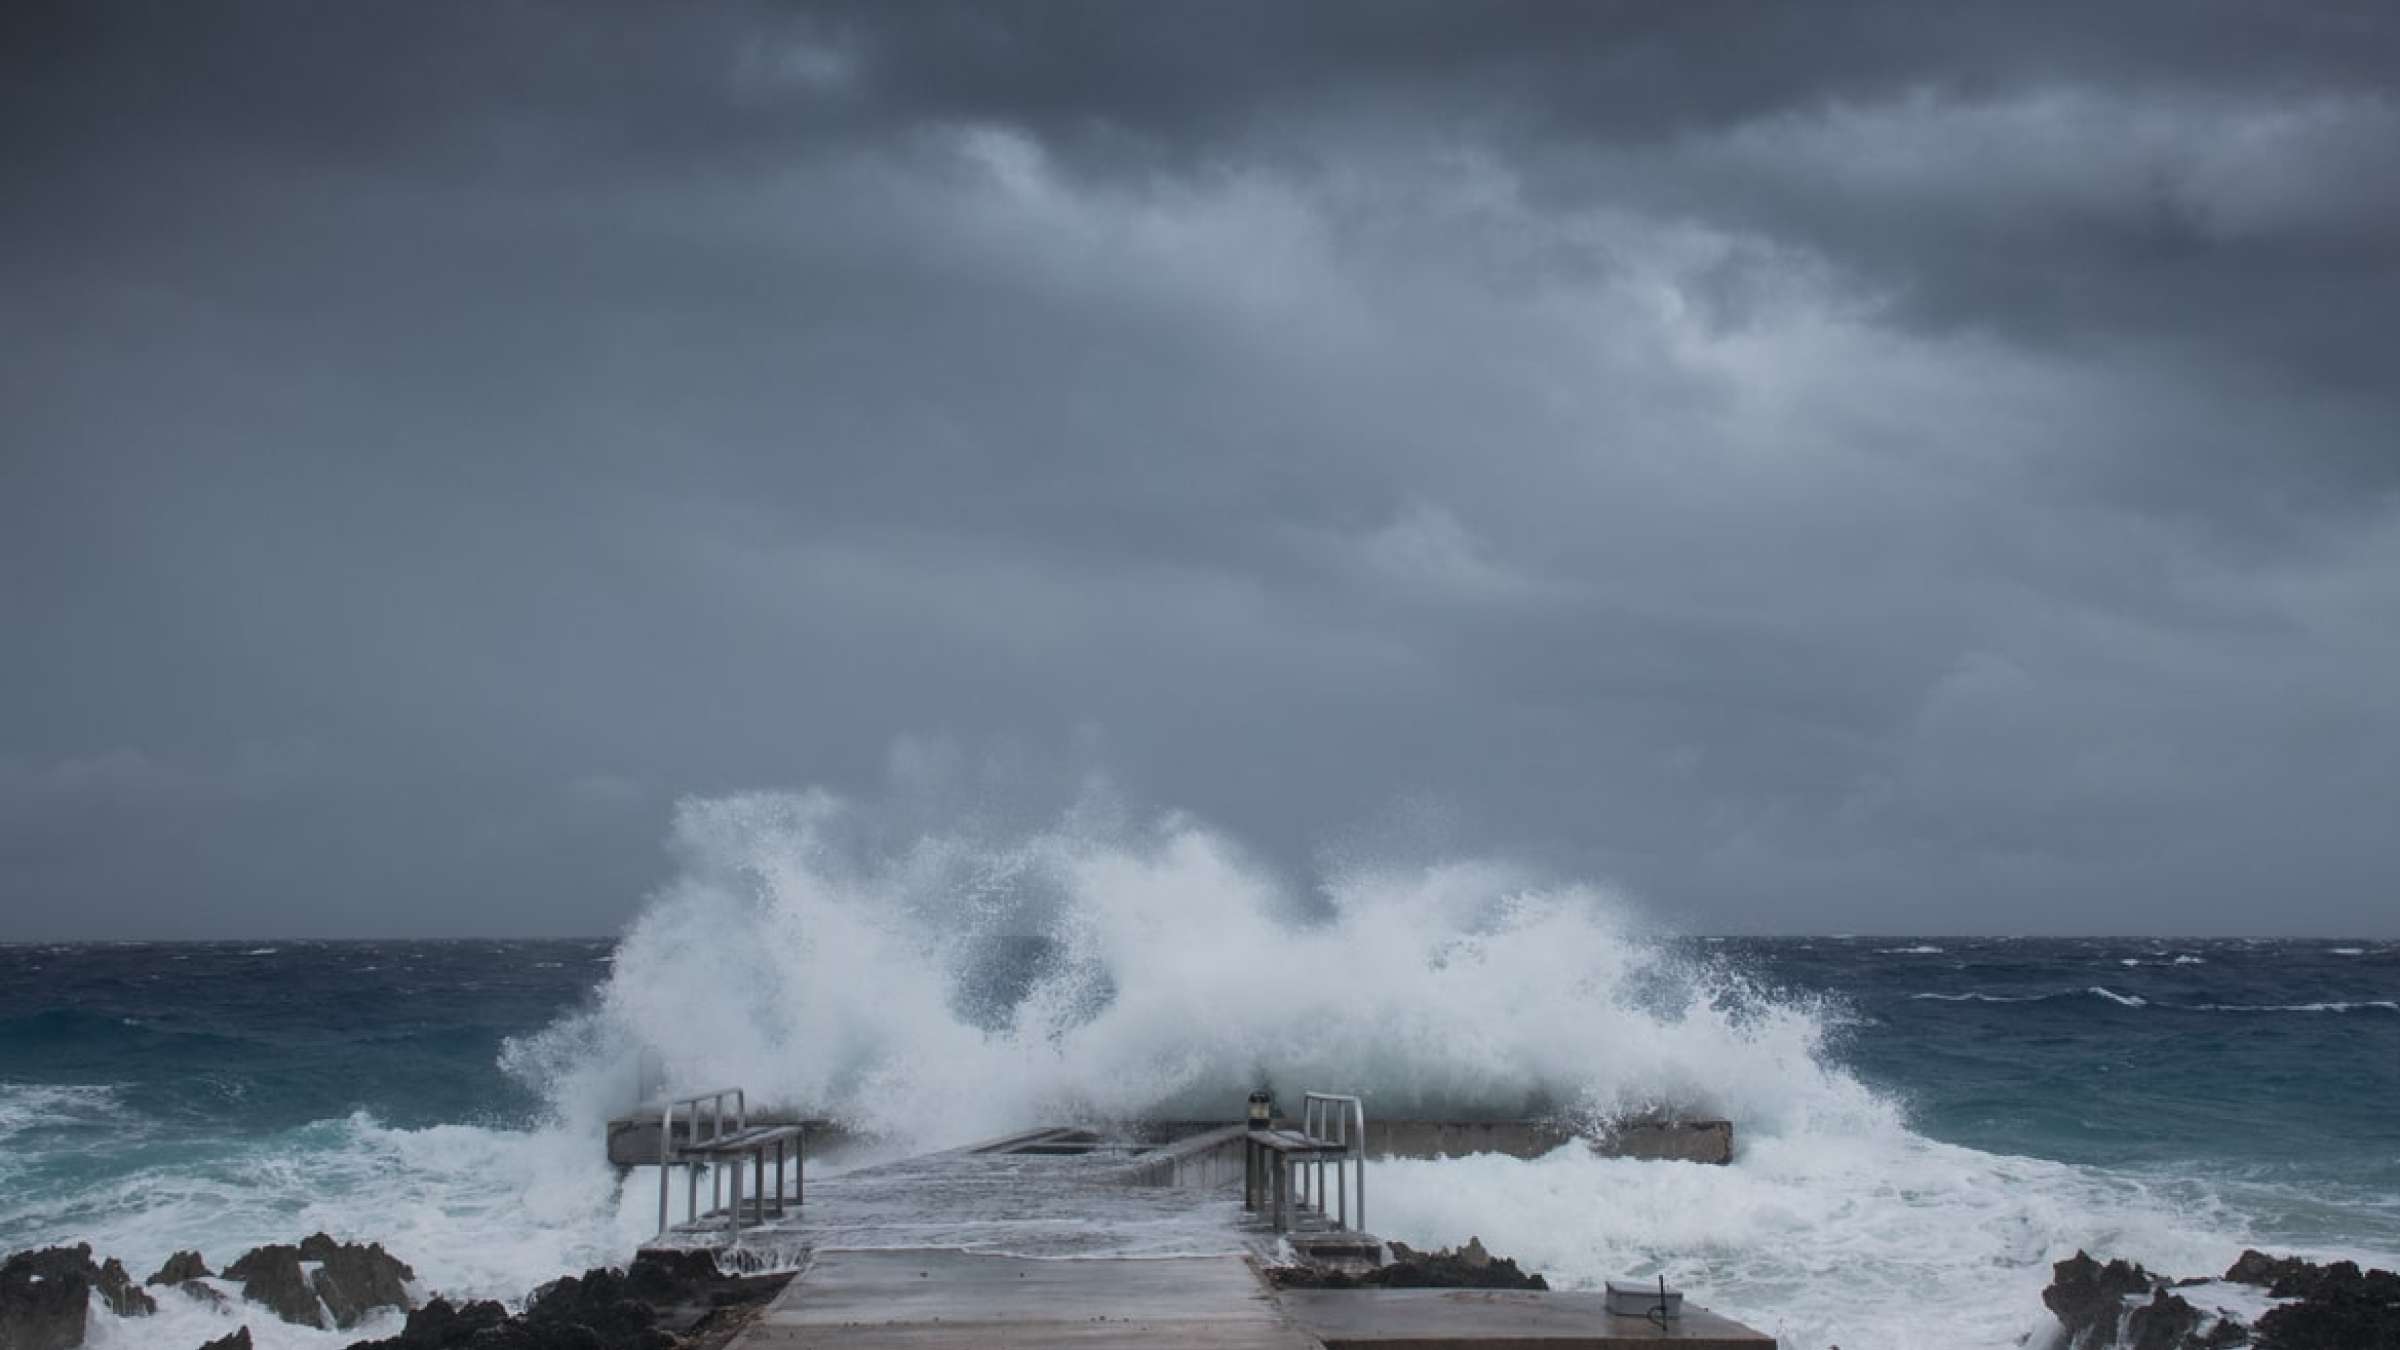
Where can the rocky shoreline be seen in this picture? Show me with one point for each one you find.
(2299, 1305)
(1469, 1267)
(684, 1301)
(660, 1301)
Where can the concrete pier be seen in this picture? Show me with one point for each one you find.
(944, 1300)
(1067, 1237)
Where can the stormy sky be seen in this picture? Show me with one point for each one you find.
(1842, 467)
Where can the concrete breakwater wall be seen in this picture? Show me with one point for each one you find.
(1214, 1157)
(1659, 1139)
(1184, 1153)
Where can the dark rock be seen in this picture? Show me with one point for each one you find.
(2166, 1322)
(600, 1309)
(271, 1276)
(2258, 1268)
(2300, 1279)
(2339, 1308)
(1470, 1267)
(45, 1298)
(2089, 1299)
(2224, 1335)
(355, 1280)
(2331, 1307)
(440, 1325)
(602, 1302)
(186, 1271)
(123, 1296)
(180, 1267)
(239, 1340)
(672, 1276)
(45, 1295)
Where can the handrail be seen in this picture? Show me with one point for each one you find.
(1317, 1110)
(1331, 1116)
(716, 1122)
(716, 1131)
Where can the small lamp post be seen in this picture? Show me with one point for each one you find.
(1262, 1109)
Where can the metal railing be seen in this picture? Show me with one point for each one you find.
(1342, 1119)
(713, 1121)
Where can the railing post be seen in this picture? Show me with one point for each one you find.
(733, 1212)
(1362, 1164)
(666, 1153)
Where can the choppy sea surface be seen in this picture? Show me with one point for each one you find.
(1925, 1122)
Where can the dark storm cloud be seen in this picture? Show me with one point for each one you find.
(1818, 467)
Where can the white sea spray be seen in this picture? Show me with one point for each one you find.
(825, 975)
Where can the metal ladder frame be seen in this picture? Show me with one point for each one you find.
(715, 1124)
(1341, 1118)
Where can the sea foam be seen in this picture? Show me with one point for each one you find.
(1878, 1240)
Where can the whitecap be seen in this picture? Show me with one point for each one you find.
(32, 1106)
(2362, 1005)
(479, 1213)
(1927, 950)
(2125, 1000)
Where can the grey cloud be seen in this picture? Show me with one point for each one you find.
(1819, 472)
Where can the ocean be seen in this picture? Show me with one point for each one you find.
(1925, 1123)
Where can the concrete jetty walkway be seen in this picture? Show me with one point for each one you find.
(1133, 1246)
(921, 1300)
(950, 1300)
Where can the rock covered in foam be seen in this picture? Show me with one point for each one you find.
(355, 1280)
(2335, 1307)
(117, 1289)
(441, 1325)
(2089, 1299)
(271, 1276)
(45, 1299)
(322, 1282)
(189, 1274)
(661, 1301)
(45, 1296)
(2120, 1306)
(601, 1309)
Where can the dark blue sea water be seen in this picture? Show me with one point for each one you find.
(2267, 1058)
(154, 1096)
